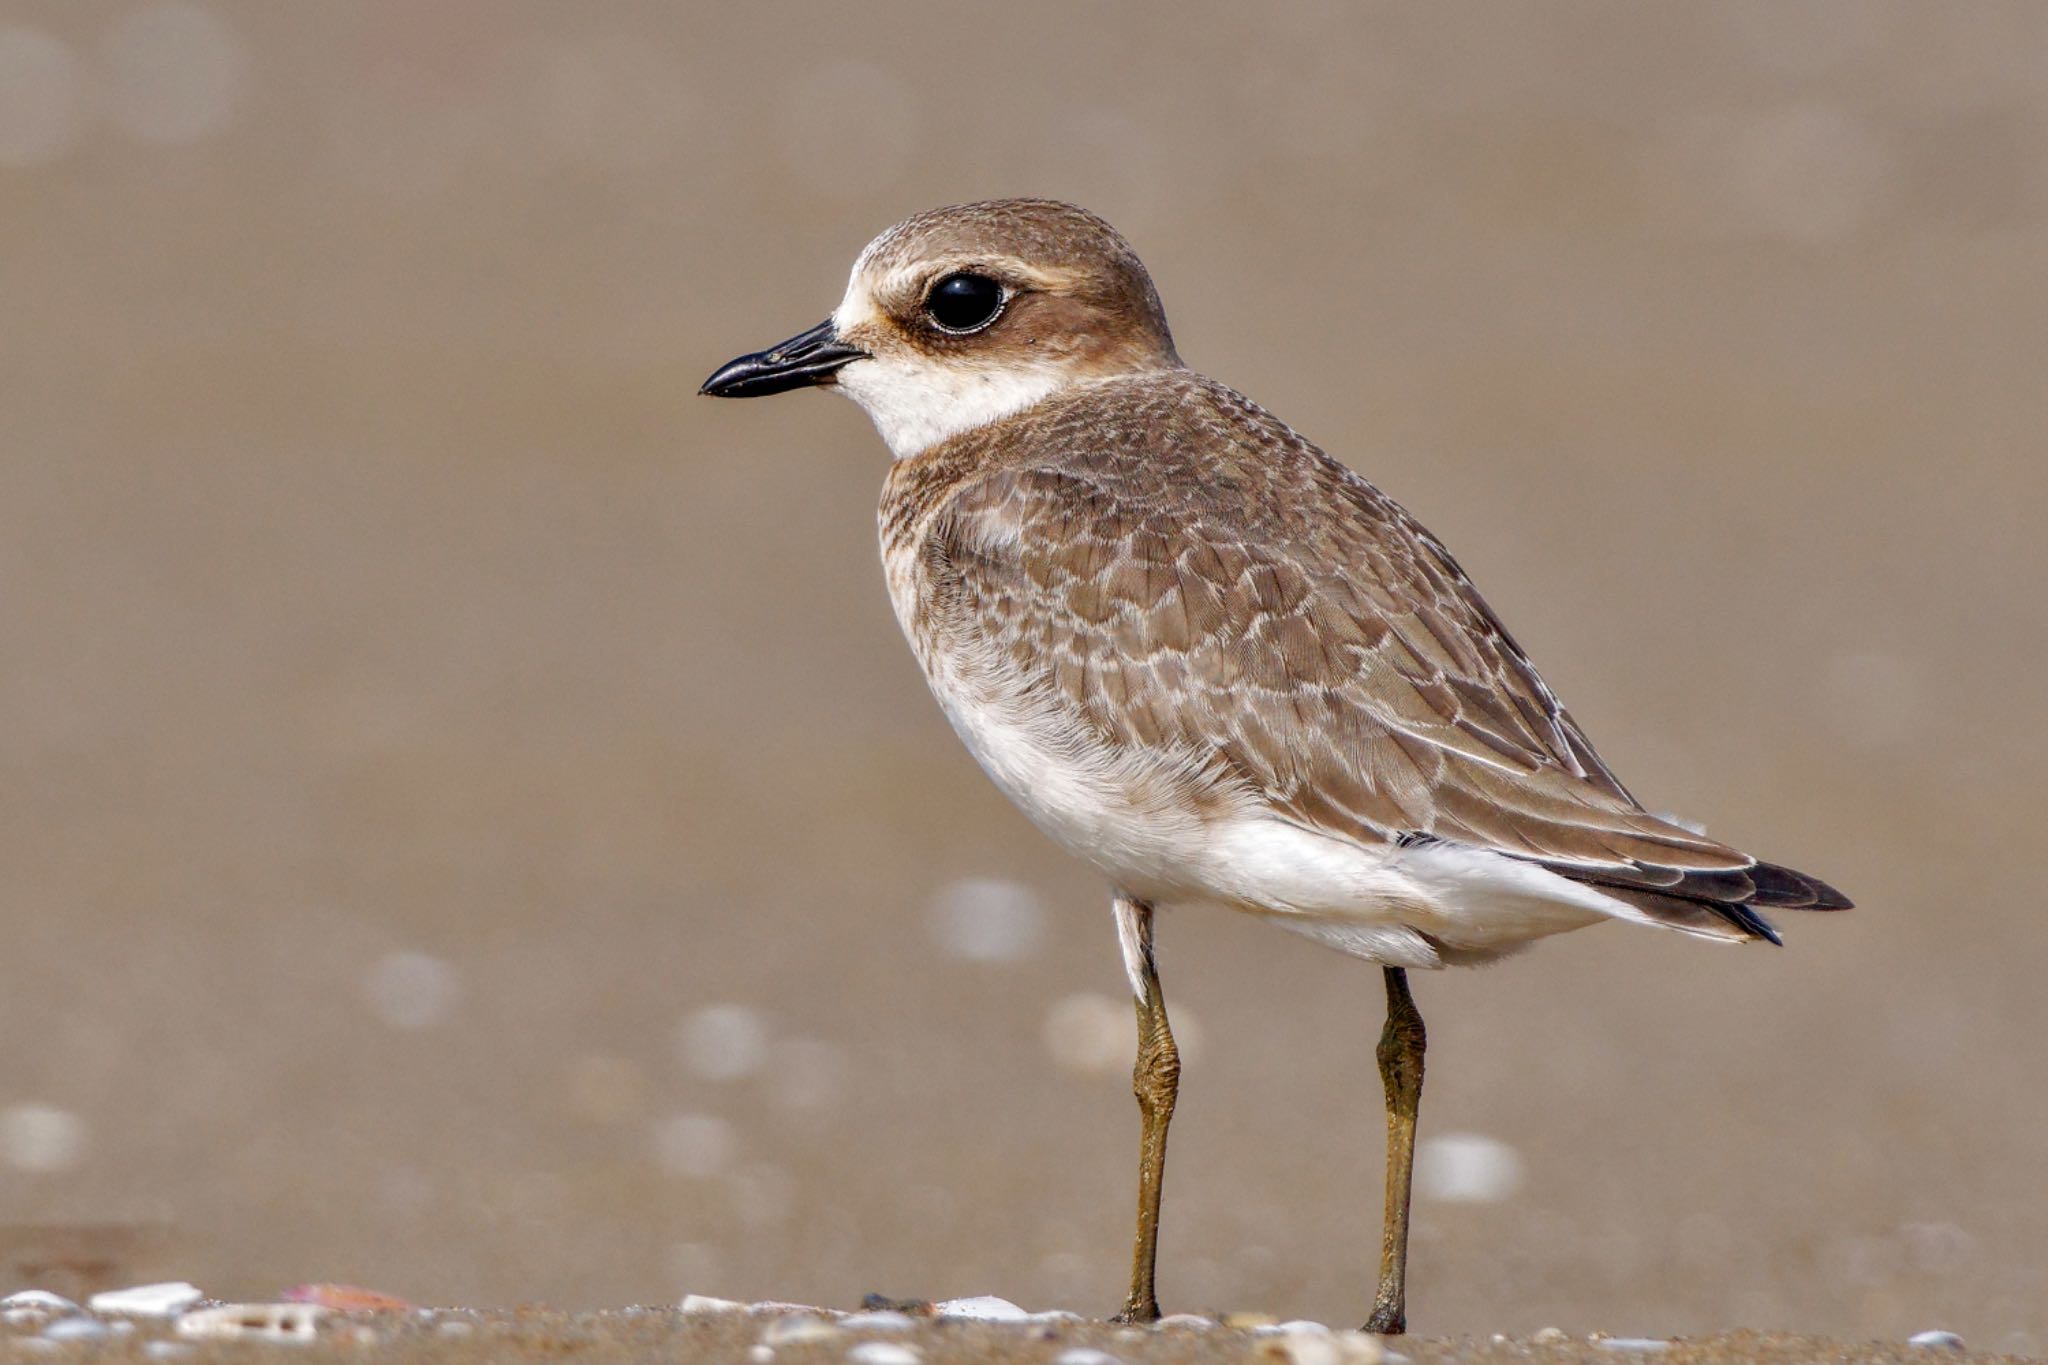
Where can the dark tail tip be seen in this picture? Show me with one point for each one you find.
(1781, 888)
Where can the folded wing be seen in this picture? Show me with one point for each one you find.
(1230, 592)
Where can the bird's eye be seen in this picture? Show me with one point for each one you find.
(963, 302)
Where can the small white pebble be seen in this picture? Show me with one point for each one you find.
(165, 1300)
(75, 1329)
(760, 1355)
(1085, 1355)
(456, 1328)
(1550, 1336)
(1311, 1349)
(981, 1308)
(40, 1300)
(704, 1303)
(1301, 1348)
(1638, 1345)
(883, 1353)
(41, 1138)
(1194, 1322)
(1361, 1348)
(165, 1350)
(983, 919)
(795, 1328)
(254, 1321)
(411, 991)
(1937, 1340)
(723, 1042)
(1305, 1325)
(1467, 1168)
(878, 1322)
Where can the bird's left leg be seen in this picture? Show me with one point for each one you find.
(1155, 1079)
(1400, 1057)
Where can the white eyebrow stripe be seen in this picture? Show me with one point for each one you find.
(857, 308)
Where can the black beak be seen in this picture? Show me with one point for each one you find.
(807, 359)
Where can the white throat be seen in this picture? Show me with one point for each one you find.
(917, 404)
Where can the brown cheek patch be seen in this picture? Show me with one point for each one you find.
(1063, 326)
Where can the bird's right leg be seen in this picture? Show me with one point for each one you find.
(1155, 1079)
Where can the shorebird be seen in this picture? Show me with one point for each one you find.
(1216, 664)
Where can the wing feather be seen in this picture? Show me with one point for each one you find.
(1206, 581)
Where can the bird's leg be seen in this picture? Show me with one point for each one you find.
(1155, 1079)
(1400, 1056)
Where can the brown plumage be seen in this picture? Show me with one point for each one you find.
(1215, 663)
(1182, 572)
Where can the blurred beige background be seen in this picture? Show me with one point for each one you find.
(469, 825)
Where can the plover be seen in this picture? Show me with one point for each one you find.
(1213, 662)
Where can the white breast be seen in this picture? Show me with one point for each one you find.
(1134, 817)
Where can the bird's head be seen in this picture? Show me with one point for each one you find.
(963, 315)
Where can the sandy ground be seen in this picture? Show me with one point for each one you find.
(469, 826)
(797, 1337)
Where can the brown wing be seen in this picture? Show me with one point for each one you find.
(1228, 590)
